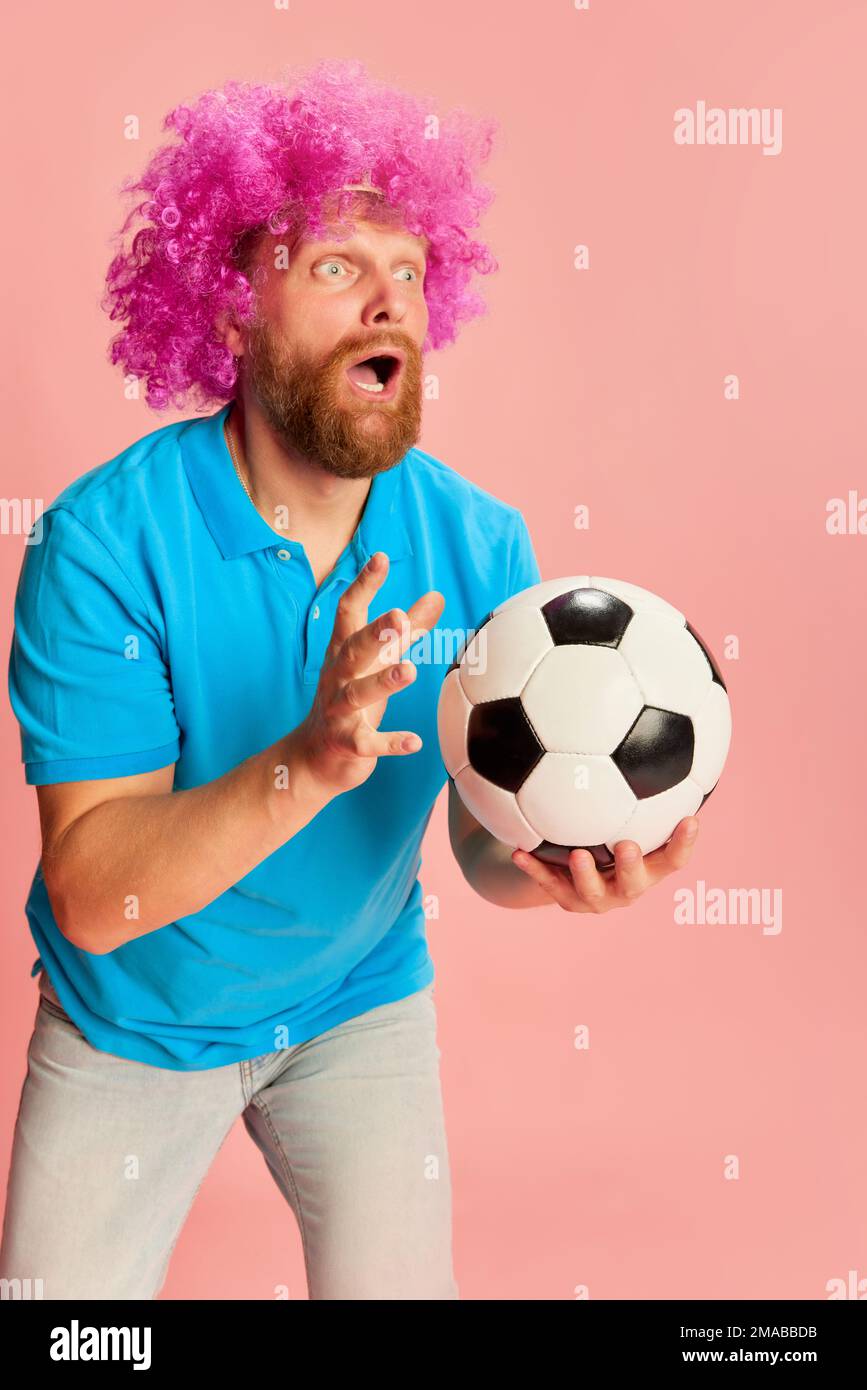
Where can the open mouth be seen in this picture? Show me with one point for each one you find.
(376, 376)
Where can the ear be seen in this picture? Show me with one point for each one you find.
(228, 332)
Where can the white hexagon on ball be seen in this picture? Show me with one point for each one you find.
(503, 654)
(497, 810)
(573, 800)
(713, 732)
(670, 667)
(453, 718)
(654, 818)
(558, 703)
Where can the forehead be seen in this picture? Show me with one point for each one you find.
(365, 235)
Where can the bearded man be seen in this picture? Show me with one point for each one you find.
(235, 760)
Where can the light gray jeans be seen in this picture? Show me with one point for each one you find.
(108, 1155)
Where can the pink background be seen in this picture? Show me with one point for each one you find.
(601, 1168)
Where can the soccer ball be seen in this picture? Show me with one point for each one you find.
(583, 711)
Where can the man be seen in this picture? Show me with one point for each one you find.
(227, 908)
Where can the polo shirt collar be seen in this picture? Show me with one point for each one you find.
(236, 525)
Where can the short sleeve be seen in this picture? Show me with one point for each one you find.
(87, 677)
(523, 566)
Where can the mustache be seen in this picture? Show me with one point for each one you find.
(265, 349)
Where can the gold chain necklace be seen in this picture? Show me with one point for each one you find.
(235, 461)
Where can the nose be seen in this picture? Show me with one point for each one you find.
(387, 301)
(386, 307)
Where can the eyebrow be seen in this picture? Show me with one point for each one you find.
(339, 248)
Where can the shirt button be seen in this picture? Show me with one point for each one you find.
(316, 611)
(284, 554)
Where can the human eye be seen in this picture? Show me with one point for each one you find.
(327, 265)
(412, 270)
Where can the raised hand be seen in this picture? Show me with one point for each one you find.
(339, 738)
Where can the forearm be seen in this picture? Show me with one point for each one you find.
(486, 864)
(133, 864)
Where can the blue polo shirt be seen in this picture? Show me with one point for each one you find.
(161, 620)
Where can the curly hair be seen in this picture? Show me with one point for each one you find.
(258, 158)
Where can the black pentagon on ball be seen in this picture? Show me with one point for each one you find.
(657, 752)
(551, 853)
(463, 647)
(587, 615)
(502, 745)
(715, 671)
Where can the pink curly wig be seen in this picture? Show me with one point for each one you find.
(258, 158)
